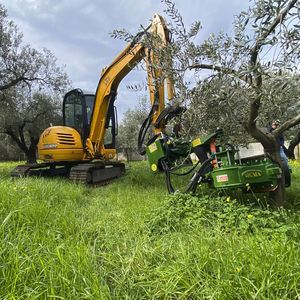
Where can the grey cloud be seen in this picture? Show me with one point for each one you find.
(77, 31)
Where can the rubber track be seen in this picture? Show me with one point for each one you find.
(97, 173)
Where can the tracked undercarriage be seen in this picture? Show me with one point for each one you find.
(94, 173)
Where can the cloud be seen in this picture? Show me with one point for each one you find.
(77, 31)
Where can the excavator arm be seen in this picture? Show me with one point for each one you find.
(113, 75)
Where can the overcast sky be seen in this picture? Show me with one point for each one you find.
(78, 31)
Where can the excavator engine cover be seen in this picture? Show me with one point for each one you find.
(60, 143)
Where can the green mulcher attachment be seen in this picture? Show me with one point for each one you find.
(166, 151)
(217, 164)
(257, 173)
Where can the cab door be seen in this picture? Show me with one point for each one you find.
(77, 111)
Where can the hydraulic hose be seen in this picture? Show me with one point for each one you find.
(193, 185)
(170, 187)
(186, 173)
(144, 129)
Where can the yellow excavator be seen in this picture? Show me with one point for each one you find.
(84, 147)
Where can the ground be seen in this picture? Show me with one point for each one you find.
(130, 240)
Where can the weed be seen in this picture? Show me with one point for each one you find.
(183, 211)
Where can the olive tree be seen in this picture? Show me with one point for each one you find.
(245, 80)
(30, 84)
(25, 115)
(239, 82)
(22, 65)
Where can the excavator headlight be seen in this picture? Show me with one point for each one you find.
(49, 146)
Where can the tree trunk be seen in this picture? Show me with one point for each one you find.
(127, 154)
(272, 148)
(19, 139)
(278, 196)
(293, 143)
(31, 152)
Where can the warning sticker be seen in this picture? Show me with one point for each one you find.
(222, 178)
(196, 142)
(152, 147)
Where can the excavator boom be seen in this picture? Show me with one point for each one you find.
(114, 74)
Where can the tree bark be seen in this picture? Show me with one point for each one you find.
(127, 153)
(278, 196)
(30, 151)
(272, 148)
(290, 151)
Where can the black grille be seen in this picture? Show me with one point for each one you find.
(65, 139)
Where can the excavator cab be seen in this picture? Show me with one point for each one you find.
(77, 113)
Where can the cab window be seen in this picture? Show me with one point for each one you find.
(89, 100)
(73, 112)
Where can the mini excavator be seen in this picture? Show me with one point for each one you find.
(83, 148)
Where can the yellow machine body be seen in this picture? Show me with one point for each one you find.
(89, 131)
(60, 143)
(63, 143)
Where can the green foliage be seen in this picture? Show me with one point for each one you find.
(130, 126)
(257, 62)
(292, 192)
(31, 86)
(129, 240)
(23, 66)
(31, 115)
(221, 214)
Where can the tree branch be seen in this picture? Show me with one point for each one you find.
(16, 139)
(287, 125)
(267, 31)
(26, 121)
(212, 67)
(11, 84)
(293, 143)
(254, 108)
(20, 79)
(227, 70)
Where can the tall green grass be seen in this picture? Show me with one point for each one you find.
(130, 240)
